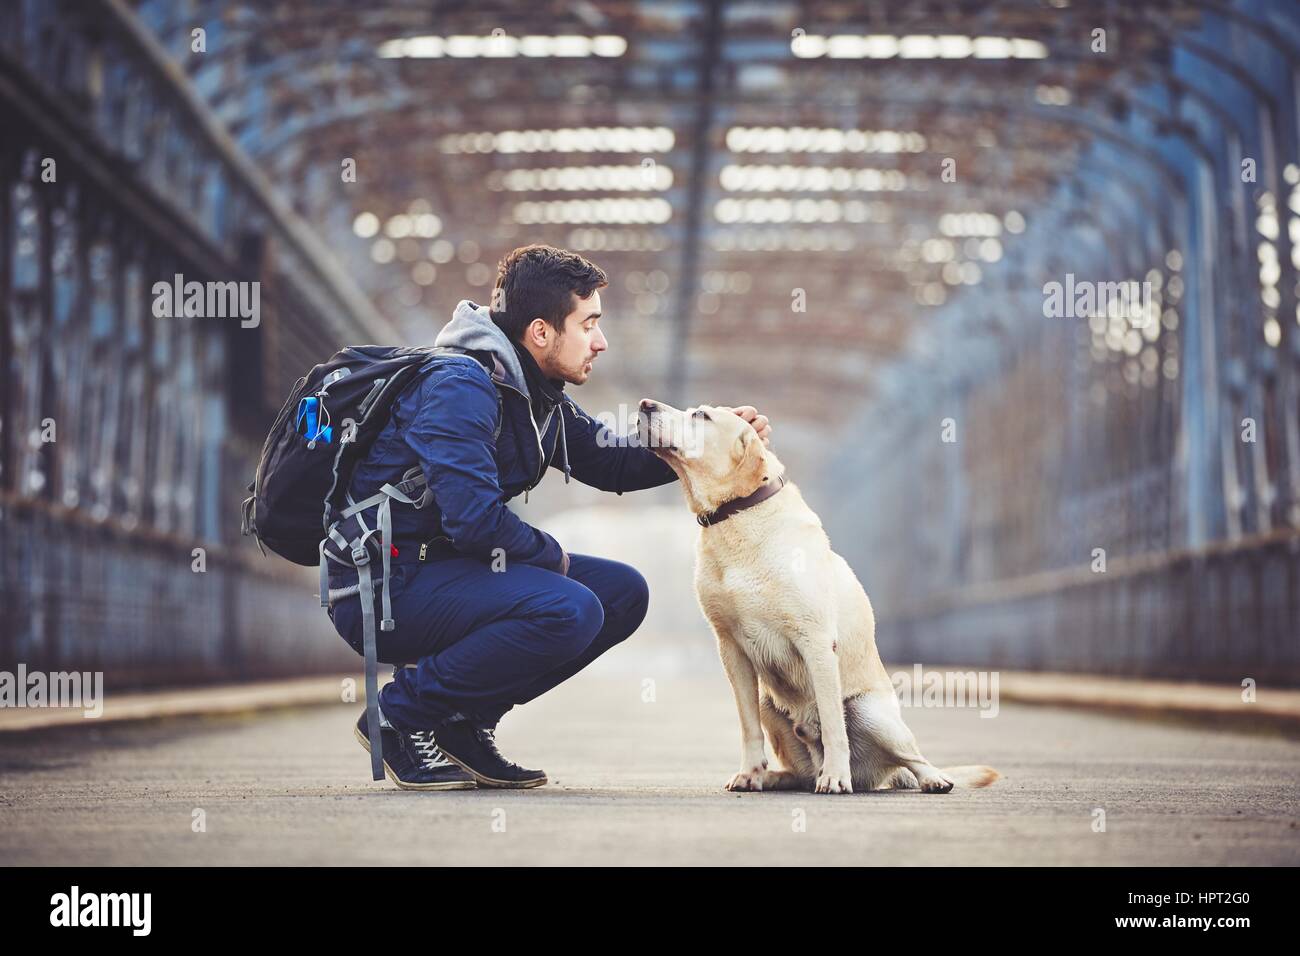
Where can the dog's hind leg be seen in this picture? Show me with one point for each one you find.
(900, 779)
(884, 751)
(797, 771)
(873, 767)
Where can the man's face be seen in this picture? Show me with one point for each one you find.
(570, 356)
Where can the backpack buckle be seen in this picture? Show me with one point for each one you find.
(360, 555)
(440, 541)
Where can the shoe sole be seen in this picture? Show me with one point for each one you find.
(388, 772)
(486, 781)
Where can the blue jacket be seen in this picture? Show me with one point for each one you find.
(446, 421)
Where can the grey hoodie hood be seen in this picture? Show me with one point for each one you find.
(471, 327)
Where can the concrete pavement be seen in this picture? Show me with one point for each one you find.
(640, 782)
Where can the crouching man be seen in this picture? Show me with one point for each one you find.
(490, 611)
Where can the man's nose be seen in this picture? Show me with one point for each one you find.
(599, 343)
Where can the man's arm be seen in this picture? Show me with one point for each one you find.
(452, 436)
(599, 458)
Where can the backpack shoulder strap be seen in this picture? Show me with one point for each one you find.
(485, 358)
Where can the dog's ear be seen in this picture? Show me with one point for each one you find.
(748, 450)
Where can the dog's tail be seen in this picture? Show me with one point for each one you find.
(969, 775)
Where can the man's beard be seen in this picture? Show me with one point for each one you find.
(556, 370)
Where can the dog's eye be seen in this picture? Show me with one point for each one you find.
(700, 413)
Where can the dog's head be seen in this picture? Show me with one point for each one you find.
(717, 454)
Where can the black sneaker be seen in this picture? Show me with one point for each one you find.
(475, 749)
(413, 762)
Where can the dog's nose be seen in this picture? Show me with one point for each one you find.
(648, 405)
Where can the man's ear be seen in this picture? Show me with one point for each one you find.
(533, 332)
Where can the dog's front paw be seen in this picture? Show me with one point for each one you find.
(751, 779)
(834, 781)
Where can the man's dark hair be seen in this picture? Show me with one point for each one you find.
(541, 281)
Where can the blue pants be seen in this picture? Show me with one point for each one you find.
(483, 640)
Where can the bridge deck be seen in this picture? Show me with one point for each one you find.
(641, 783)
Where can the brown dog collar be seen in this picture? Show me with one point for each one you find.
(729, 508)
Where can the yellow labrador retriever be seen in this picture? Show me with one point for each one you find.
(795, 629)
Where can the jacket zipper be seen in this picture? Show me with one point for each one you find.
(541, 454)
(545, 425)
